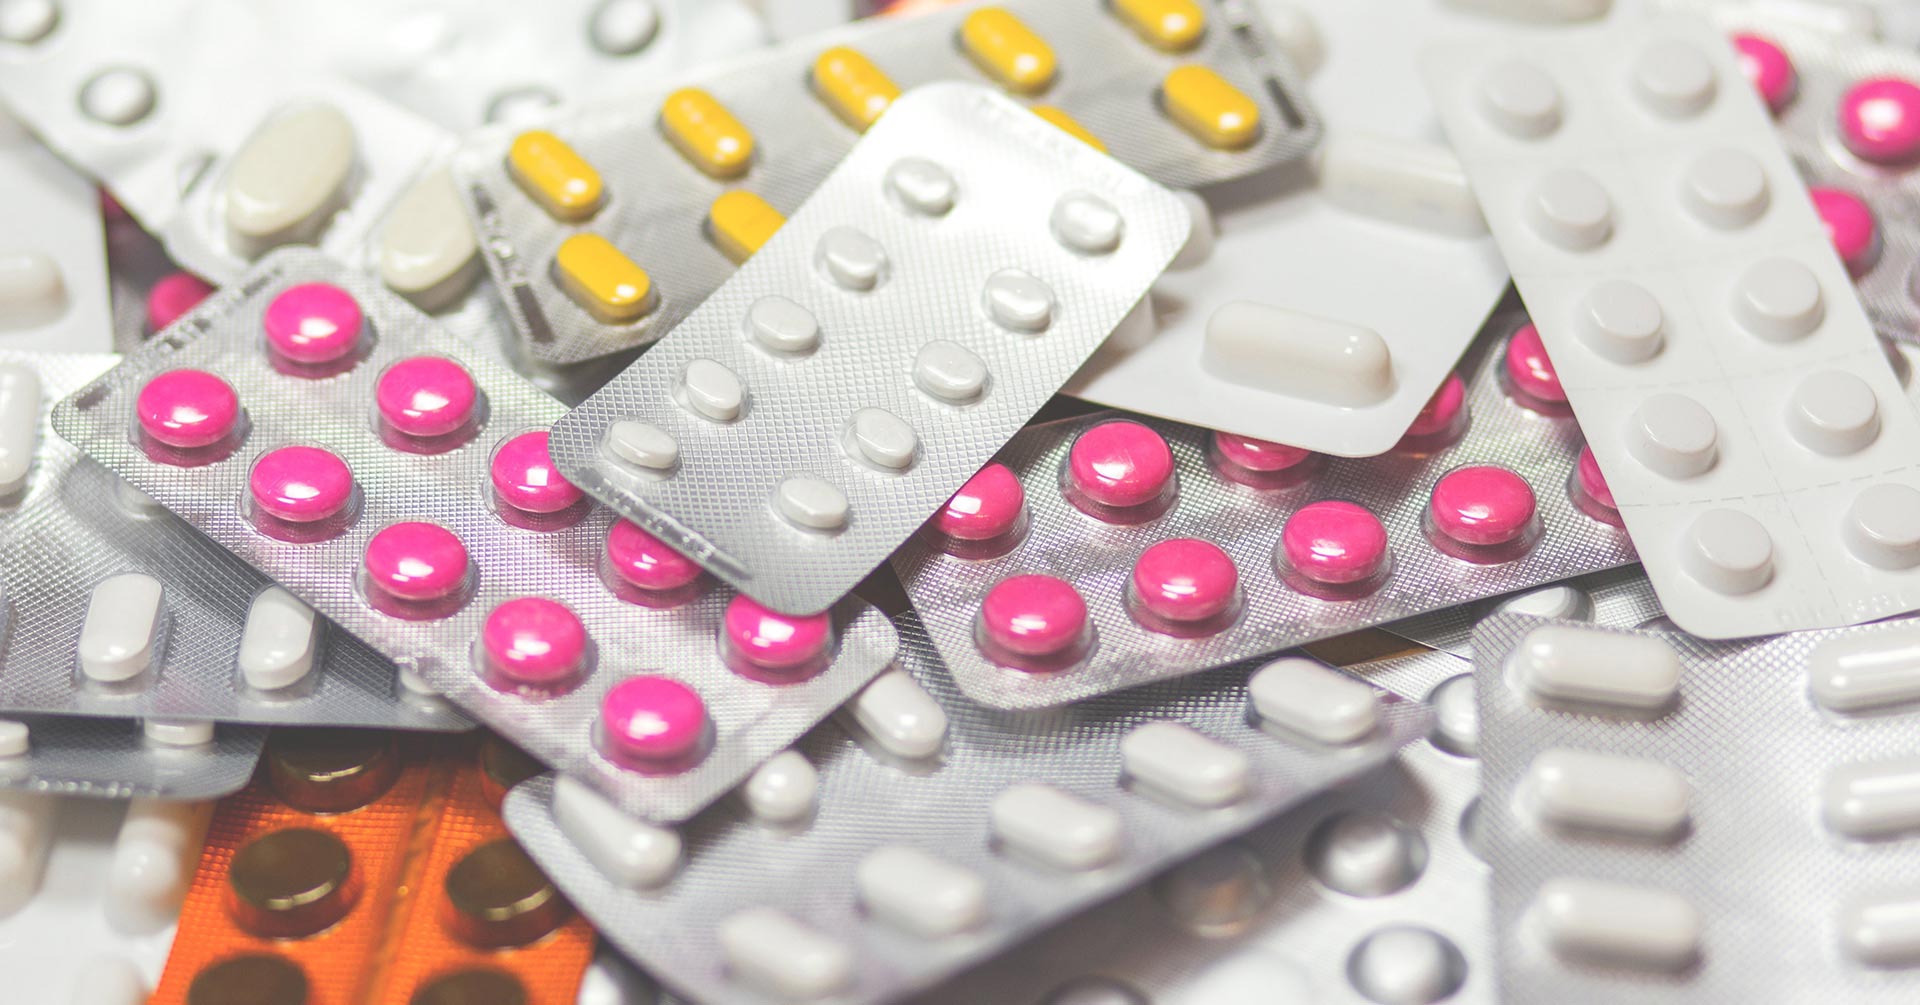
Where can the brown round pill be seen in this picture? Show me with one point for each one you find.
(497, 897)
(503, 766)
(331, 770)
(478, 986)
(254, 979)
(291, 883)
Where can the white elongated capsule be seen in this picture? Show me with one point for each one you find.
(782, 790)
(1545, 11)
(1401, 181)
(1624, 795)
(1058, 828)
(32, 292)
(277, 645)
(1882, 930)
(153, 861)
(20, 398)
(627, 850)
(122, 627)
(1858, 672)
(1298, 354)
(110, 980)
(428, 252)
(288, 178)
(1617, 923)
(766, 948)
(1873, 798)
(900, 716)
(26, 829)
(1184, 763)
(920, 893)
(1314, 699)
(1629, 672)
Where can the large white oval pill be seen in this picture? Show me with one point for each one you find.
(1086, 223)
(1314, 699)
(627, 850)
(1055, 827)
(428, 253)
(642, 444)
(1589, 666)
(881, 438)
(153, 861)
(781, 326)
(277, 645)
(767, 948)
(1018, 301)
(1592, 920)
(899, 714)
(122, 627)
(20, 398)
(1402, 181)
(1856, 672)
(920, 893)
(26, 832)
(1882, 929)
(922, 186)
(782, 790)
(289, 177)
(1181, 762)
(949, 371)
(1588, 790)
(1870, 799)
(1288, 352)
(851, 259)
(811, 503)
(710, 390)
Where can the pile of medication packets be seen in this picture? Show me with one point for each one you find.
(941, 502)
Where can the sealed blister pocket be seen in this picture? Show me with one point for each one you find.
(54, 293)
(119, 758)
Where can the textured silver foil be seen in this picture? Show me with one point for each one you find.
(1616, 598)
(1011, 169)
(751, 720)
(656, 204)
(1757, 863)
(868, 800)
(1097, 558)
(112, 759)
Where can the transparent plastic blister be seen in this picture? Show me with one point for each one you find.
(794, 381)
(54, 295)
(102, 758)
(992, 871)
(1615, 598)
(769, 131)
(1677, 820)
(1217, 560)
(1756, 441)
(448, 542)
(115, 608)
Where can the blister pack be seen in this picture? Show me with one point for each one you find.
(116, 608)
(613, 222)
(918, 832)
(787, 436)
(102, 758)
(319, 427)
(54, 294)
(1636, 782)
(1614, 598)
(1754, 438)
(1103, 552)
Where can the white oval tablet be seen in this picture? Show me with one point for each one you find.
(899, 714)
(1634, 796)
(1590, 666)
(277, 645)
(768, 949)
(24, 22)
(1570, 209)
(920, 893)
(1288, 352)
(1727, 551)
(922, 186)
(881, 438)
(779, 325)
(1621, 321)
(1314, 699)
(1055, 827)
(1673, 435)
(123, 623)
(119, 96)
(154, 856)
(1869, 799)
(642, 444)
(627, 850)
(851, 259)
(949, 371)
(810, 503)
(710, 390)
(1855, 672)
(782, 790)
(1181, 762)
(1779, 300)
(1726, 188)
(20, 399)
(1406, 182)
(1674, 79)
(288, 176)
(1882, 526)
(428, 252)
(1882, 929)
(1215, 891)
(1559, 602)
(176, 733)
(623, 27)
(1520, 99)
(15, 738)
(1018, 301)
(1592, 920)
(32, 292)
(1086, 223)
(1833, 413)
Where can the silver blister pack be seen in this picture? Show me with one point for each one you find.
(116, 608)
(1675, 820)
(655, 204)
(123, 758)
(435, 504)
(915, 861)
(814, 417)
(1209, 528)
(1615, 598)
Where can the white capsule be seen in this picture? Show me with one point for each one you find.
(1591, 920)
(26, 830)
(1292, 353)
(710, 390)
(20, 399)
(881, 438)
(781, 326)
(920, 893)
(899, 714)
(628, 851)
(1853, 673)
(109, 980)
(277, 645)
(1833, 413)
(1674, 79)
(1673, 435)
(1200, 233)
(153, 862)
(1571, 210)
(1779, 300)
(851, 259)
(782, 790)
(1314, 699)
(1868, 799)
(1181, 762)
(811, 504)
(623, 27)
(1018, 301)
(922, 186)
(1621, 321)
(428, 252)
(177, 734)
(119, 96)
(1086, 223)
(32, 293)
(1882, 526)
(1055, 827)
(1881, 929)
(1560, 602)
(1588, 790)
(1521, 99)
(1727, 551)
(768, 949)
(15, 738)
(122, 628)
(949, 371)
(1725, 188)
(289, 177)
(1543, 11)
(1633, 673)
(642, 444)
(1456, 716)
(1401, 181)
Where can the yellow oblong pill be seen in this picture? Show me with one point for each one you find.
(1214, 111)
(603, 280)
(705, 133)
(1004, 48)
(1168, 25)
(852, 86)
(1070, 124)
(553, 175)
(741, 222)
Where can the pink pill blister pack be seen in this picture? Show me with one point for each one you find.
(1628, 778)
(1757, 444)
(320, 428)
(102, 758)
(922, 305)
(1100, 553)
(921, 832)
(115, 608)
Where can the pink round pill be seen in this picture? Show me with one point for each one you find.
(1880, 120)
(1259, 456)
(173, 295)
(644, 561)
(417, 561)
(1768, 69)
(1185, 580)
(1850, 225)
(1120, 464)
(988, 506)
(533, 640)
(1530, 369)
(187, 408)
(1335, 542)
(313, 323)
(1592, 482)
(1033, 615)
(1442, 410)
(426, 396)
(300, 484)
(1482, 505)
(525, 478)
(773, 641)
(652, 719)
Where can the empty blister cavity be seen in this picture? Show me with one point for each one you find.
(1620, 673)
(1618, 924)
(1872, 799)
(767, 948)
(1866, 672)
(1214, 893)
(1184, 764)
(1057, 828)
(900, 716)
(1833, 413)
(920, 893)
(121, 636)
(1570, 210)
(280, 641)
(1591, 791)
(1298, 354)
(289, 177)
(1882, 526)
(1314, 700)
(1620, 321)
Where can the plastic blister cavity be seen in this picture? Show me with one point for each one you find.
(54, 293)
(118, 758)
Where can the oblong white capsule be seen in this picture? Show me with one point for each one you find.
(1184, 763)
(1858, 672)
(1872, 798)
(277, 645)
(20, 399)
(1589, 666)
(288, 177)
(1401, 181)
(900, 716)
(26, 830)
(627, 850)
(1314, 699)
(153, 861)
(1882, 930)
(1634, 796)
(1058, 828)
(1298, 354)
(122, 627)
(920, 893)
(782, 790)
(769, 949)
(1617, 923)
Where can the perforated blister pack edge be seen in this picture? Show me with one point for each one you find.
(105, 758)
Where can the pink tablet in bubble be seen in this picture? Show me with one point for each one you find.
(772, 641)
(300, 484)
(1482, 505)
(417, 561)
(1185, 580)
(1120, 464)
(426, 396)
(652, 719)
(187, 408)
(1334, 543)
(172, 296)
(1033, 616)
(987, 507)
(534, 641)
(524, 476)
(1768, 69)
(644, 561)
(1880, 121)
(313, 323)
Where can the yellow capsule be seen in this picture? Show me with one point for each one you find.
(741, 222)
(1068, 123)
(706, 133)
(1004, 48)
(1213, 110)
(561, 181)
(852, 86)
(602, 280)
(1170, 25)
